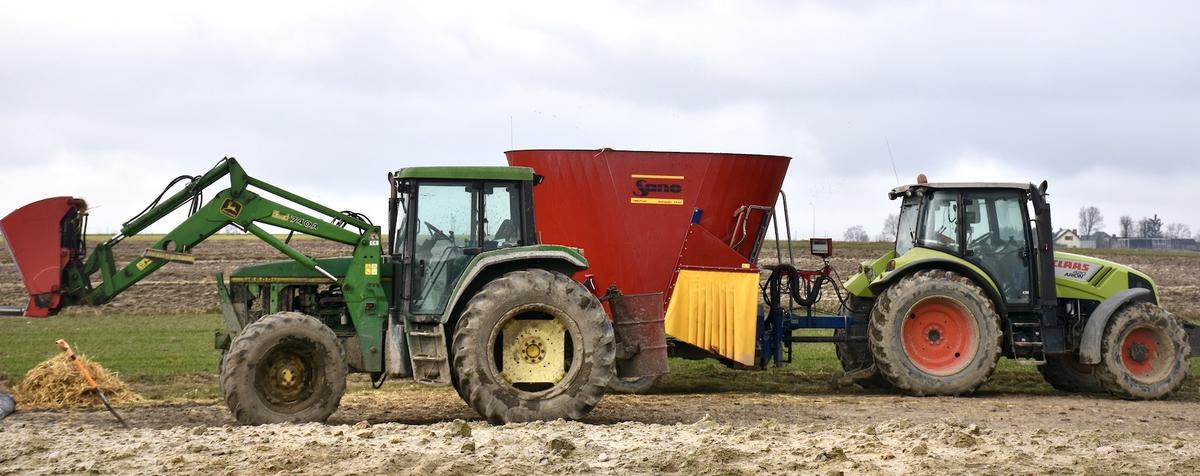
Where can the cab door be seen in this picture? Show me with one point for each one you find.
(996, 239)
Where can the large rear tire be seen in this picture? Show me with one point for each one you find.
(1144, 353)
(516, 301)
(284, 368)
(1067, 374)
(935, 333)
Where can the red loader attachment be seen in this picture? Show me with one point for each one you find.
(43, 237)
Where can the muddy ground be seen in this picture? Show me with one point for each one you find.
(431, 432)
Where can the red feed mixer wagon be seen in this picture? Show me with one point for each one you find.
(687, 225)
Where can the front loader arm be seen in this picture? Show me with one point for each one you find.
(236, 206)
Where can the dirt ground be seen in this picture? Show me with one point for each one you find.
(432, 432)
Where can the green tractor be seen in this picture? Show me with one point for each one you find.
(974, 277)
(462, 294)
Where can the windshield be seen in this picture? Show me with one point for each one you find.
(906, 231)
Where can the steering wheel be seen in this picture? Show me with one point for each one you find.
(979, 241)
(437, 233)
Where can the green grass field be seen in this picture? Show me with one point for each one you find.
(162, 356)
(172, 358)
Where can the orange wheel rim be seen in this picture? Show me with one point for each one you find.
(1141, 352)
(939, 336)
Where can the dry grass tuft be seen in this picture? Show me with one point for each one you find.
(57, 383)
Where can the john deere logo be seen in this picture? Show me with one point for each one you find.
(231, 208)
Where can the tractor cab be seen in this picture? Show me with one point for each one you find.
(445, 216)
(992, 226)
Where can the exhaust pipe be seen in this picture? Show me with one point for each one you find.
(44, 237)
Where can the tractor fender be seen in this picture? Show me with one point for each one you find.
(492, 264)
(977, 275)
(1093, 331)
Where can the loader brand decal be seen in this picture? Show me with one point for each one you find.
(371, 269)
(230, 208)
(143, 263)
(278, 215)
(644, 185)
(1075, 270)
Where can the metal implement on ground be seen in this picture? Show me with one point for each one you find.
(87, 376)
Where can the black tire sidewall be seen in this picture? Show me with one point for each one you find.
(1111, 371)
(887, 345)
(580, 313)
(252, 347)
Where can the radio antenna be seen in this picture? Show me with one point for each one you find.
(893, 159)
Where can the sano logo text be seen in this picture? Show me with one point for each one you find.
(646, 188)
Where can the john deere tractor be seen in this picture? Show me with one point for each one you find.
(974, 277)
(462, 293)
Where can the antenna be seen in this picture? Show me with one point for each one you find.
(511, 146)
(893, 159)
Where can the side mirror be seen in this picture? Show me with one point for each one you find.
(1042, 188)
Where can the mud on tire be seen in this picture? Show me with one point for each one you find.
(634, 385)
(591, 354)
(1065, 373)
(935, 333)
(855, 357)
(1144, 353)
(285, 367)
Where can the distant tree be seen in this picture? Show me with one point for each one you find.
(889, 228)
(856, 233)
(1090, 220)
(1177, 231)
(1150, 227)
(1126, 226)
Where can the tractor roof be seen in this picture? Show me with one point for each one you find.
(466, 173)
(903, 189)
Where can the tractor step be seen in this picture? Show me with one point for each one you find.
(172, 256)
(1027, 344)
(427, 350)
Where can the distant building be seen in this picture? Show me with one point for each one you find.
(1066, 238)
(1188, 244)
(1098, 239)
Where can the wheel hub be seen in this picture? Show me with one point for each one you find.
(1142, 352)
(286, 379)
(939, 336)
(533, 352)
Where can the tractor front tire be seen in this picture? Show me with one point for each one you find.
(284, 368)
(935, 333)
(1065, 373)
(530, 296)
(1144, 353)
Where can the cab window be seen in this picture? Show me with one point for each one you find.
(940, 229)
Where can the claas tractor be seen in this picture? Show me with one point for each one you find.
(461, 294)
(974, 277)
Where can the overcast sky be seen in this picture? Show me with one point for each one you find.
(109, 100)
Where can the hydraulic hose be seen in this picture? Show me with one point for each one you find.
(773, 294)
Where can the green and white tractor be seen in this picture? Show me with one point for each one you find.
(974, 277)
